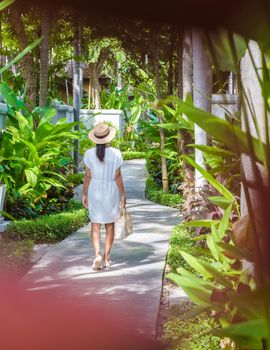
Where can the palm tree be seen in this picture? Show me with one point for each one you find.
(202, 93)
(44, 57)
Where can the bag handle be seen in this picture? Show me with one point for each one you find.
(123, 211)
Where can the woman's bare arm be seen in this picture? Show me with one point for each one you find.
(86, 182)
(120, 184)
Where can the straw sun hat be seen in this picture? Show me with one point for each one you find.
(102, 133)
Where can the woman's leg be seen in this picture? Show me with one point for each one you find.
(109, 240)
(95, 235)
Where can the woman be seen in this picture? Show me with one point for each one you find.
(103, 189)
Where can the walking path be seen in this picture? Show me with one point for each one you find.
(132, 286)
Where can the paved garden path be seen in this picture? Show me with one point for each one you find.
(132, 286)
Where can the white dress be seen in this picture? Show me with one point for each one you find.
(103, 192)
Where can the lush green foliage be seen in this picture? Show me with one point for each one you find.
(180, 240)
(49, 228)
(34, 159)
(155, 194)
(76, 179)
(175, 174)
(133, 155)
(239, 298)
(191, 334)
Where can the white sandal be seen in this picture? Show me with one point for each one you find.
(107, 263)
(97, 264)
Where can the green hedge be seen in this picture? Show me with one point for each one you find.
(127, 155)
(49, 228)
(157, 195)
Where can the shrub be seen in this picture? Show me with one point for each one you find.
(174, 167)
(34, 158)
(76, 179)
(133, 155)
(157, 195)
(15, 256)
(180, 240)
(48, 229)
(192, 333)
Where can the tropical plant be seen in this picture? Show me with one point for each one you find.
(239, 297)
(34, 157)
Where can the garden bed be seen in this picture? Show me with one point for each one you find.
(25, 237)
(155, 194)
(176, 328)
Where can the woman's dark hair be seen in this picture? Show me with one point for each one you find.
(100, 152)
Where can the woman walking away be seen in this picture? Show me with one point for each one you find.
(103, 189)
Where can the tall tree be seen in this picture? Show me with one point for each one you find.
(44, 56)
(184, 87)
(202, 94)
(76, 89)
(164, 170)
(27, 63)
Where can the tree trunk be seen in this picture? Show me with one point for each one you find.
(170, 68)
(164, 171)
(76, 90)
(187, 64)
(202, 94)
(44, 57)
(253, 91)
(94, 84)
(27, 63)
(119, 76)
(184, 87)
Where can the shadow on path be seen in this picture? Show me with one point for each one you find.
(132, 285)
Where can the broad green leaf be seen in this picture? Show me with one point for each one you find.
(236, 252)
(213, 247)
(232, 136)
(225, 222)
(7, 215)
(215, 151)
(169, 126)
(220, 201)
(218, 186)
(48, 115)
(200, 223)
(205, 269)
(196, 264)
(198, 294)
(252, 328)
(206, 284)
(222, 51)
(5, 3)
(8, 96)
(31, 177)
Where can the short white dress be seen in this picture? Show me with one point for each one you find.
(103, 192)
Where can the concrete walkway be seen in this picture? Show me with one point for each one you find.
(132, 286)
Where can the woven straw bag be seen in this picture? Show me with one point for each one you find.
(123, 225)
